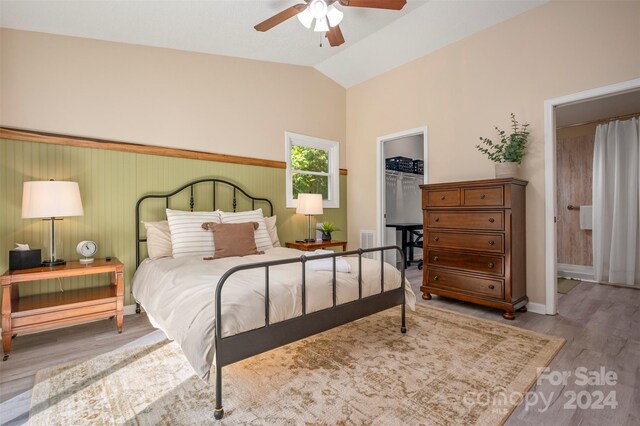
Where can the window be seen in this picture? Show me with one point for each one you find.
(312, 167)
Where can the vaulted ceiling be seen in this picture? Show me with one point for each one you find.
(376, 40)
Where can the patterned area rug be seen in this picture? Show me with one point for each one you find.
(443, 371)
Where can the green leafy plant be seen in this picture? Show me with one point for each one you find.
(327, 227)
(305, 158)
(510, 148)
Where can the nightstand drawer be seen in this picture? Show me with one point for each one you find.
(65, 315)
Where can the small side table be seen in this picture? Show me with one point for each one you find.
(52, 310)
(314, 246)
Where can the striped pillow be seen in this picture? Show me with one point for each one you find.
(263, 240)
(187, 236)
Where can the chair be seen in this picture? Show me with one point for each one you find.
(415, 241)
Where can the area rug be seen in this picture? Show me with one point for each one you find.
(447, 369)
(565, 285)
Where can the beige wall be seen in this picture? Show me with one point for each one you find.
(163, 97)
(461, 91)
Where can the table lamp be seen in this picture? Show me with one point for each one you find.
(309, 204)
(51, 200)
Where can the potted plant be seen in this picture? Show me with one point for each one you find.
(509, 151)
(327, 228)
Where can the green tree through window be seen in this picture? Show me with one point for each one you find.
(310, 168)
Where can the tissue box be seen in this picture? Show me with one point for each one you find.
(24, 259)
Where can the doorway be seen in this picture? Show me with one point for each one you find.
(568, 123)
(402, 166)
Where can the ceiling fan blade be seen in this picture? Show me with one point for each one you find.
(280, 17)
(375, 4)
(335, 36)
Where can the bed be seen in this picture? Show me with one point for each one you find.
(238, 307)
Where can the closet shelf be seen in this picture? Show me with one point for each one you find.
(403, 174)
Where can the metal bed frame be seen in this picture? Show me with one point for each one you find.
(240, 346)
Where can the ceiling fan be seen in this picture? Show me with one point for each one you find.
(326, 15)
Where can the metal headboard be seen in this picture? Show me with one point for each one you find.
(214, 183)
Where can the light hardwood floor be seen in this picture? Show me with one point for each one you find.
(600, 323)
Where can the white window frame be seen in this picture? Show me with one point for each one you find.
(333, 147)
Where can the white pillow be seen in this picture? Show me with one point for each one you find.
(158, 239)
(188, 238)
(272, 229)
(263, 240)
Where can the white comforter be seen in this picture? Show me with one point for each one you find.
(179, 296)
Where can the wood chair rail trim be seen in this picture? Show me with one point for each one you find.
(94, 143)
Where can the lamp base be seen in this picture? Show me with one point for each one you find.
(56, 262)
(309, 240)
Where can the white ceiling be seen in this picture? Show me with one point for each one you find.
(599, 109)
(376, 40)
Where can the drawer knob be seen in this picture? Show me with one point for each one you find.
(436, 258)
(482, 196)
(491, 287)
(436, 277)
(491, 220)
(437, 219)
(436, 239)
(491, 265)
(443, 197)
(491, 242)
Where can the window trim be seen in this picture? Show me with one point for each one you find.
(333, 147)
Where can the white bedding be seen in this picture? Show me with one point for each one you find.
(179, 296)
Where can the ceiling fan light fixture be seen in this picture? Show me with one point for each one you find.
(334, 16)
(321, 25)
(305, 18)
(318, 9)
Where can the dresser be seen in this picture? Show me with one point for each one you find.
(474, 243)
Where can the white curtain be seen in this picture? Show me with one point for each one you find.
(616, 194)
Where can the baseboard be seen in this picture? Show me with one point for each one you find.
(537, 308)
(580, 272)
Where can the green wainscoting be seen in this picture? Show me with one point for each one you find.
(110, 184)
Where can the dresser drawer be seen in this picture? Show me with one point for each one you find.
(493, 243)
(448, 198)
(454, 281)
(471, 262)
(493, 221)
(486, 196)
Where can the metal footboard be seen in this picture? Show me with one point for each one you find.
(272, 335)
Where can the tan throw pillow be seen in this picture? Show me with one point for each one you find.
(272, 229)
(233, 239)
(263, 240)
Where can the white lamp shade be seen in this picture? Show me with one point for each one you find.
(305, 18)
(334, 16)
(321, 25)
(310, 204)
(51, 198)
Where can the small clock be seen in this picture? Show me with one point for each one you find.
(87, 249)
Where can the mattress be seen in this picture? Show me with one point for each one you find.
(179, 296)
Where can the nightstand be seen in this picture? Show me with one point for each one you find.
(52, 310)
(314, 246)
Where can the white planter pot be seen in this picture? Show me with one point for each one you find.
(506, 170)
